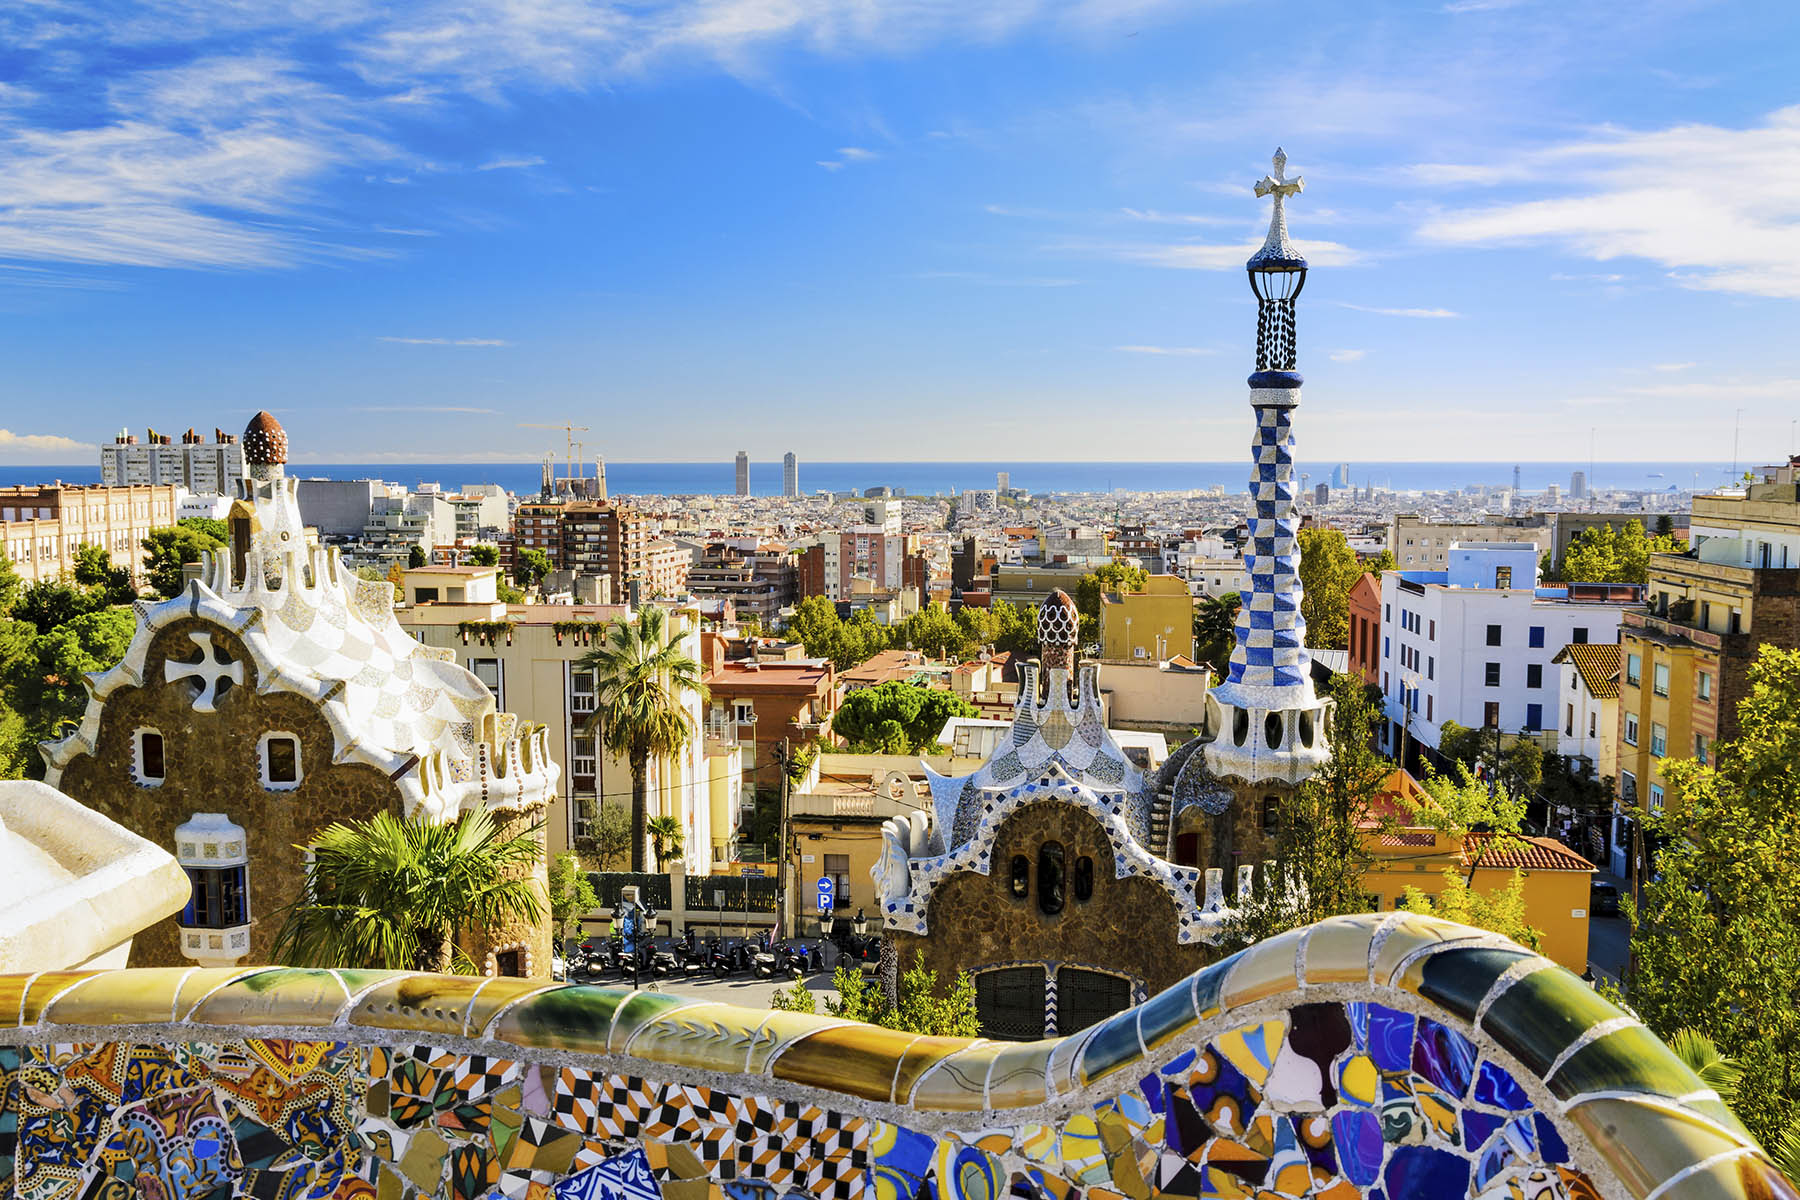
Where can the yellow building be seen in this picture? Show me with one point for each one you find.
(1687, 655)
(1156, 624)
(1557, 880)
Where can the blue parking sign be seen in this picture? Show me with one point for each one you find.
(826, 888)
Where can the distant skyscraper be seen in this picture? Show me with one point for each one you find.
(743, 473)
(1003, 482)
(1322, 494)
(1578, 485)
(1343, 475)
(790, 476)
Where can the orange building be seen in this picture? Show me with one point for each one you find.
(766, 702)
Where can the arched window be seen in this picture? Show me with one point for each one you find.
(1272, 731)
(1084, 879)
(1021, 876)
(1240, 726)
(1271, 815)
(1306, 730)
(1050, 879)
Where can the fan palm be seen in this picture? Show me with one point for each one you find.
(641, 674)
(395, 894)
(1215, 630)
(666, 837)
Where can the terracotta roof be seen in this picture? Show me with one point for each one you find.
(1598, 663)
(1533, 854)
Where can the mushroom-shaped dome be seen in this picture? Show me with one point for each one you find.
(265, 441)
(1058, 623)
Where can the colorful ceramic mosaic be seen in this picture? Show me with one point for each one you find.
(1393, 1058)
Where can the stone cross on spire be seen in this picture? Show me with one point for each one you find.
(1278, 185)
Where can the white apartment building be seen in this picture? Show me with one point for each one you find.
(1421, 545)
(192, 464)
(1477, 644)
(529, 655)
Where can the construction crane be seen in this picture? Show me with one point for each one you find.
(569, 430)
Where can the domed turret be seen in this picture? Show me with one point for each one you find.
(265, 442)
(1058, 628)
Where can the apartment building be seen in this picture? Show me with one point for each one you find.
(1476, 644)
(873, 551)
(1365, 628)
(759, 582)
(193, 464)
(763, 703)
(529, 655)
(43, 527)
(1422, 545)
(481, 513)
(1156, 624)
(1687, 654)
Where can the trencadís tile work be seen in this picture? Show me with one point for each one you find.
(1394, 1056)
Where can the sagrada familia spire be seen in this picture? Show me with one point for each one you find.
(1272, 727)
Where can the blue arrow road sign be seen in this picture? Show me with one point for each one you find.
(825, 893)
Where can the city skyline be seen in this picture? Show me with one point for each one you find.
(986, 227)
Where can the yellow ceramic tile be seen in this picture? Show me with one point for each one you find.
(44, 988)
(290, 996)
(566, 1018)
(955, 1084)
(920, 1056)
(12, 992)
(1065, 1060)
(1734, 1179)
(858, 1059)
(774, 1031)
(500, 991)
(1645, 1145)
(640, 1011)
(202, 980)
(1252, 1049)
(1338, 950)
(1265, 969)
(1019, 1076)
(142, 996)
(424, 1003)
(710, 1037)
(1411, 933)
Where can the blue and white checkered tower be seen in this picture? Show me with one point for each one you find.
(1271, 723)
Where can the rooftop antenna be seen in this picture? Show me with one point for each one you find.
(1736, 430)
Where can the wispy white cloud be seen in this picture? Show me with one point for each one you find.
(1207, 256)
(1347, 356)
(40, 445)
(987, 280)
(515, 163)
(848, 155)
(1672, 366)
(1164, 218)
(1179, 350)
(1718, 208)
(427, 408)
(1601, 277)
(438, 341)
(1425, 313)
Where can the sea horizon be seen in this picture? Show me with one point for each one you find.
(940, 478)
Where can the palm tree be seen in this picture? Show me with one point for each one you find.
(395, 894)
(641, 674)
(1215, 628)
(666, 836)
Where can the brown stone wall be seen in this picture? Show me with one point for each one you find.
(1234, 836)
(1128, 926)
(534, 937)
(212, 763)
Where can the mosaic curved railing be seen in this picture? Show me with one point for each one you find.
(1395, 1056)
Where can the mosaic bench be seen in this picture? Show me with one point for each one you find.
(1387, 1056)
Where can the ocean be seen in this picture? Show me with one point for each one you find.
(943, 478)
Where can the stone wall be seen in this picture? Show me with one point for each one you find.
(213, 765)
(1128, 927)
(1396, 1056)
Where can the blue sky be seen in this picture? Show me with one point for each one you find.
(897, 229)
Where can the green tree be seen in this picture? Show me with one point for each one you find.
(168, 548)
(666, 838)
(1115, 576)
(1500, 911)
(106, 584)
(935, 632)
(11, 586)
(1716, 940)
(610, 830)
(641, 673)
(52, 602)
(43, 675)
(507, 593)
(416, 557)
(897, 717)
(1665, 526)
(1328, 570)
(1604, 554)
(796, 998)
(923, 1007)
(1380, 564)
(1215, 631)
(1321, 844)
(485, 555)
(400, 895)
(572, 895)
(530, 567)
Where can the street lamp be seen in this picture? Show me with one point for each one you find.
(860, 926)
